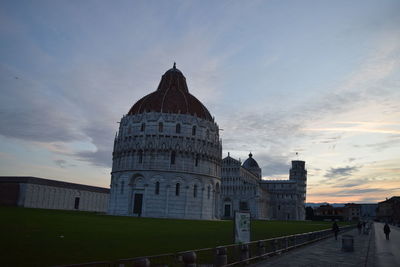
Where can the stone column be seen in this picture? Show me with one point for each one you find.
(167, 200)
(213, 204)
(186, 197)
(144, 200)
(131, 195)
(202, 200)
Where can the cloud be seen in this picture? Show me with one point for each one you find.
(28, 113)
(76, 92)
(341, 172)
(60, 163)
(353, 183)
(331, 140)
(355, 192)
(351, 159)
(100, 158)
(391, 142)
(273, 165)
(277, 131)
(353, 129)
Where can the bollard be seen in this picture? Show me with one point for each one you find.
(347, 243)
(142, 262)
(261, 248)
(189, 258)
(221, 258)
(244, 252)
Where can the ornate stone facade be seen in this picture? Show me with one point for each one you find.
(243, 189)
(167, 156)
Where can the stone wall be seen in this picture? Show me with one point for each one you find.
(33, 192)
(143, 144)
(167, 149)
(51, 197)
(198, 196)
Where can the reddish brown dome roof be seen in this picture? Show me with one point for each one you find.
(171, 96)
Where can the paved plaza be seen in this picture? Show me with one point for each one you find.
(387, 252)
(328, 253)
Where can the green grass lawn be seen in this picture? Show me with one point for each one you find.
(32, 237)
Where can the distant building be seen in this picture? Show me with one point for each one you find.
(352, 212)
(328, 212)
(389, 210)
(244, 190)
(368, 211)
(33, 192)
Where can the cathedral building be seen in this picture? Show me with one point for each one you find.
(242, 189)
(167, 156)
(167, 163)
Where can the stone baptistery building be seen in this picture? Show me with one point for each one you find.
(167, 156)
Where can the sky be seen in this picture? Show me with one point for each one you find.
(320, 78)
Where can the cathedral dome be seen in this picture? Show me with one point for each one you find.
(171, 96)
(250, 163)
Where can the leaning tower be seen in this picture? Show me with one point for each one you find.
(298, 173)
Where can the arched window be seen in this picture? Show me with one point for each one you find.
(122, 187)
(208, 192)
(160, 127)
(195, 191)
(177, 189)
(178, 128)
(157, 190)
(173, 155)
(196, 160)
(194, 130)
(143, 127)
(140, 156)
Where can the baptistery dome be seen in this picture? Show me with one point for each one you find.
(171, 96)
(167, 156)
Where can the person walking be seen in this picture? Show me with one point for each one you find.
(335, 229)
(359, 226)
(386, 230)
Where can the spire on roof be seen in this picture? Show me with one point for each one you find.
(174, 65)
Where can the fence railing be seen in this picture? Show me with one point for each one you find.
(229, 255)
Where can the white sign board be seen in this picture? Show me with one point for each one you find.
(242, 227)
